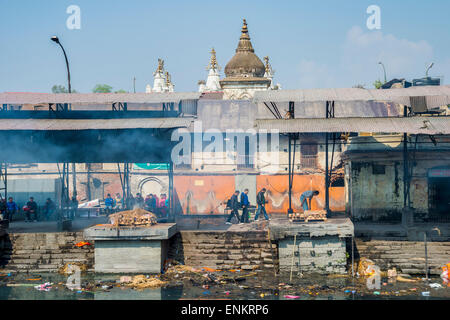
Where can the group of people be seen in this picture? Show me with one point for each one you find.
(9, 209)
(152, 203)
(234, 204)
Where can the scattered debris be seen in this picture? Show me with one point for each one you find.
(125, 279)
(44, 287)
(70, 267)
(435, 285)
(392, 273)
(403, 279)
(82, 244)
(142, 282)
(365, 267)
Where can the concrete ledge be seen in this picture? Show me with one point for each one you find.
(341, 227)
(161, 231)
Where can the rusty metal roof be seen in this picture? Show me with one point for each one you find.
(414, 125)
(436, 96)
(92, 124)
(95, 98)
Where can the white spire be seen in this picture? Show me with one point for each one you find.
(269, 72)
(159, 82)
(212, 82)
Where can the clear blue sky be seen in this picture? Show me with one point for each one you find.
(310, 43)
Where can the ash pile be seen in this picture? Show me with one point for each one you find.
(133, 218)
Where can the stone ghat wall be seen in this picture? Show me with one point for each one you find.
(223, 250)
(44, 252)
(406, 256)
(320, 255)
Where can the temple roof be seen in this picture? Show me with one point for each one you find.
(245, 63)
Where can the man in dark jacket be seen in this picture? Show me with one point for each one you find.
(234, 207)
(245, 204)
(31, 210)
(49, 209)
(139, 201)
(3, 210)
(261, 202)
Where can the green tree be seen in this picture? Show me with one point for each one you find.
(61, 89)
(120, 91)
(102, 88)
(377, 84)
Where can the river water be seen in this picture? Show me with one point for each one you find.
(260, 286)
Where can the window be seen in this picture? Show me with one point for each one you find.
(308, 155)
(93, 166)
(245, 160)
(378, 169)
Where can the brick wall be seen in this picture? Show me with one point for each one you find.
(406, 256)
(44, 252)
(223, 250)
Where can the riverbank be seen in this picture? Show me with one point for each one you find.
(235, 285)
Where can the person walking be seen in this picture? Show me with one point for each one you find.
(234, 205)
(73, 208)
(245, 204)
(261, 202)
(49, 209)
(307, 196)
(32, 208)
(139, 201)
(11, 209)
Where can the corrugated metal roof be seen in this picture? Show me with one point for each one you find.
(93, 124)
(436, 95)
(414, 125)
(94, 98)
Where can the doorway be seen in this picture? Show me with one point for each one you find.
(439, 194)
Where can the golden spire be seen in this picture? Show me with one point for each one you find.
(160, 68)
(213, 62)
(244, 42)
(168, 82)
(266, 60)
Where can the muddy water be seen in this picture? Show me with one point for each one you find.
(218, 285)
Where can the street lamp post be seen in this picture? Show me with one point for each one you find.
(74, 178)
(384, 70)
(428, 69)
(55, 39)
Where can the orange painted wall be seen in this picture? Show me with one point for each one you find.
(204, 194)
(278, 197)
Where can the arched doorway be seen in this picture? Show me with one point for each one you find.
(152, 185)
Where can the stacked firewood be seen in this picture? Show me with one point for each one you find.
(309, 215)
(133, 218)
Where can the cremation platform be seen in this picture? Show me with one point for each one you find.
(130, 249)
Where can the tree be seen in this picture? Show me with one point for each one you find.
(61, 89)
(377, 84)
(102, 88)
(120, 91)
